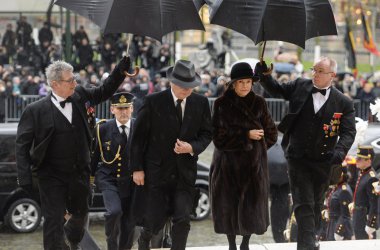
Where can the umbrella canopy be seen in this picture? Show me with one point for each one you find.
(292, 21)
(153, 18)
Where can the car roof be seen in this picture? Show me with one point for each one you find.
(371, 137)
(8, 128)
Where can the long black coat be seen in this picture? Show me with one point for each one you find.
(152, 147)
(239, 172)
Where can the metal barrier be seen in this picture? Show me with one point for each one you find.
(277, 107)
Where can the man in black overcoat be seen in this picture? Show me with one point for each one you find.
(112, 175)
(318, 132)
(172, 128)
(54, 138)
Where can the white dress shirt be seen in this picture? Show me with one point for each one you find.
(319, 99)
(183, 103)
(67, 111)
(127, 126)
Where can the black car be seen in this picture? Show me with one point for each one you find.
(22, 212)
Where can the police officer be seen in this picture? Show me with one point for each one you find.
(112, 176)
(365, 203)
(339, 218)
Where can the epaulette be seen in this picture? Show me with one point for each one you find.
(372, 174)
(344, 187)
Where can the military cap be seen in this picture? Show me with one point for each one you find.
(365, 152)
(122, 100)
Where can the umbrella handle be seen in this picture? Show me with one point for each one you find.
(269, 71)
(135, 72)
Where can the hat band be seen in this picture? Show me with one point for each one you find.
(364, 156)
(181, 78)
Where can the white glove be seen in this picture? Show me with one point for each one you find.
(369, 230)
(338, 237)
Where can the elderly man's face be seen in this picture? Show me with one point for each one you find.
(66, 85)
(179, 92)
(322, 74)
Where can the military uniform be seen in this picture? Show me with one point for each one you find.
(339, 220)
(365, 203)
(112, 176)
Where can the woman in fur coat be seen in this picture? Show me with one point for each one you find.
(243, 132)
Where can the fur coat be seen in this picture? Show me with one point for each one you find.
(239, 172)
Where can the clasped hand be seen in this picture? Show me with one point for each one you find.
(256, 134)
(182, 147)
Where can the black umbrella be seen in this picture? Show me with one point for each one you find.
(263, 20)
(290, 21)
(153, 18)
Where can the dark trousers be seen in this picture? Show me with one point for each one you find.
(118, 231)
(279, 210)
(176, 203)
(309, 181)
(60, 192)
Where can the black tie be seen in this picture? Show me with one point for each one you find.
(179, 110)
(322, 91)
(63, 103)
(124, 135)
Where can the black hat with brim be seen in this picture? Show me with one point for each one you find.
(242, 70)
(122, 100)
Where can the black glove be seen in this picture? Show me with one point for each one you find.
(124, 64)
(260, 68)
(28, 188)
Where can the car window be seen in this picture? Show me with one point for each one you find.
(7, 148)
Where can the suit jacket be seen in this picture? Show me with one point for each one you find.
(297, 92)
(156, 131)
(115, 176)
(36, 125)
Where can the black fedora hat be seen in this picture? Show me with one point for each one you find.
(243, 70)
(183, 74)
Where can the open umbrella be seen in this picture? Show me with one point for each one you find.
(153, 18)
(293, 21)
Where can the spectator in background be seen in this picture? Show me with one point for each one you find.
(22, 57)
(207, 88)
(45, 34)
(79, 36)
(24, 31)
(366, 94)
(108, 55)
(84, 54)
(221, 85)
(4, 58)
(31, 86)
(16, 88)
(3, 96)
(9, 40)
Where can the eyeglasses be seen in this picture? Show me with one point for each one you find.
(72, 80)
(319, 71)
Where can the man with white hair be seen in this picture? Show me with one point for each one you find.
(318, 132)
(54, 138)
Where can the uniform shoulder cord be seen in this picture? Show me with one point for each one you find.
(101, 149)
